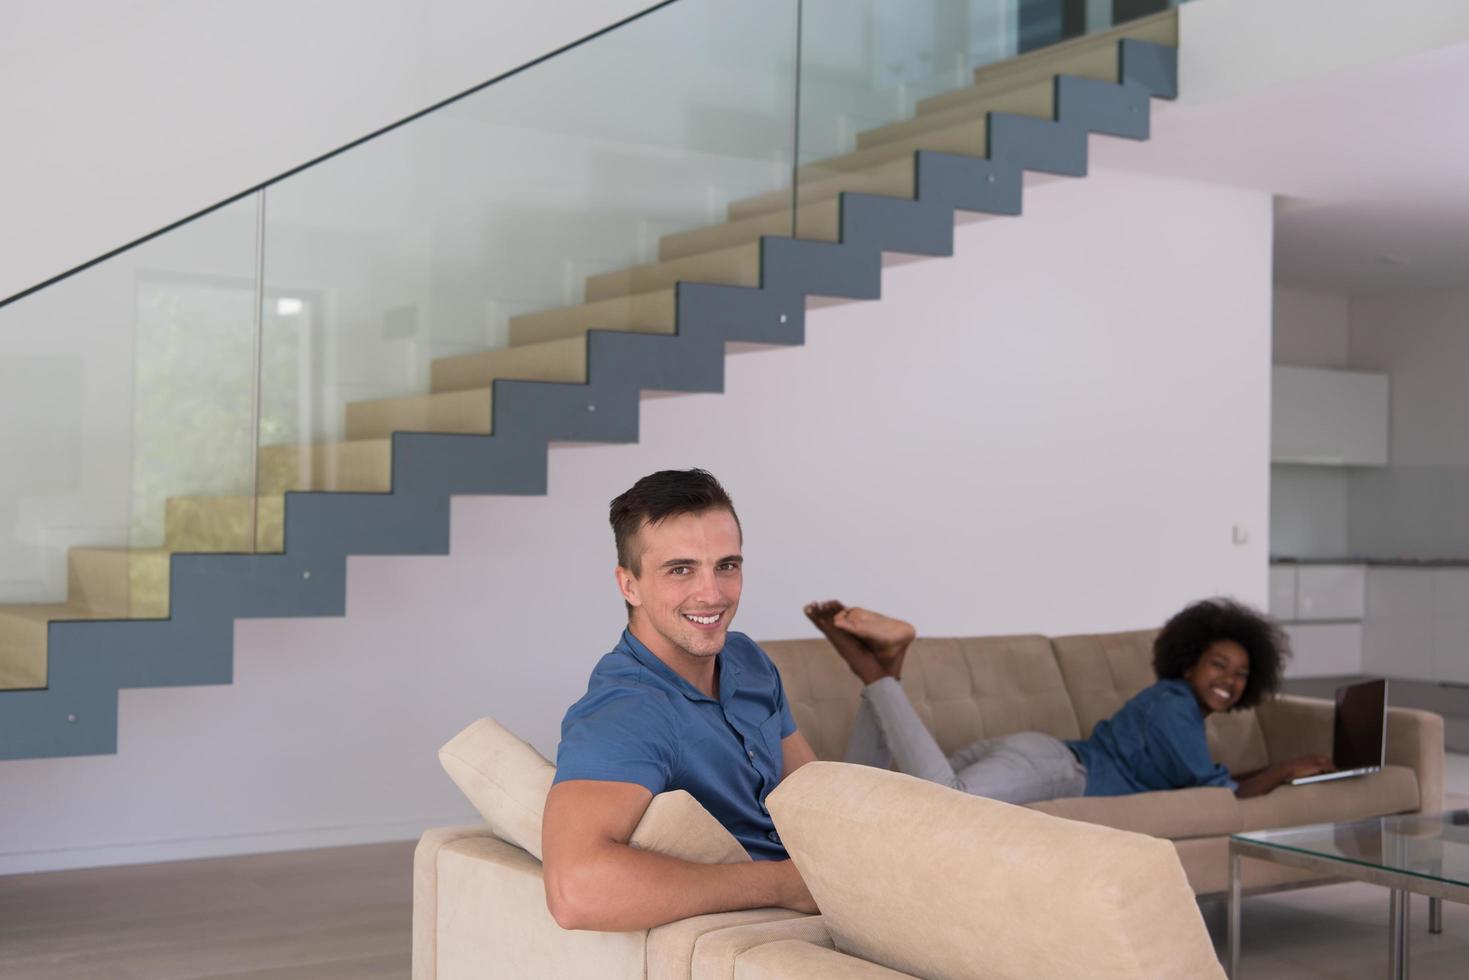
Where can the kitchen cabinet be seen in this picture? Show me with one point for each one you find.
(1328, 418)
(1324, 649)
(1321, 609)
(1417, 624)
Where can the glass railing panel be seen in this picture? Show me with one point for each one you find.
(881, 79)
(482, 241)
(126, 427)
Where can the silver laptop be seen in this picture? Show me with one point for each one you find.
(1359, 732)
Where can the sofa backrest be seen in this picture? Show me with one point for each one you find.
(963, 689)
(1103, 670)
(969, 688)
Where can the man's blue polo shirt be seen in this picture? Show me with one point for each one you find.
(640, 722)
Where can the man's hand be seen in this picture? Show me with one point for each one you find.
(594, 880)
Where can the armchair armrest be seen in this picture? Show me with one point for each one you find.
(1302, 726)
(426, 893)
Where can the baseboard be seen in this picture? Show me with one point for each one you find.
(185, 849)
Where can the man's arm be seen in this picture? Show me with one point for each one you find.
(595, 880)
(795, 752)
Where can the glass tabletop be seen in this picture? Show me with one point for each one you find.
(1427, 846)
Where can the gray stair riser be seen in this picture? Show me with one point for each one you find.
(368, 523)
(91, 661)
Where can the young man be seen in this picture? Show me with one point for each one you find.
(680, 703)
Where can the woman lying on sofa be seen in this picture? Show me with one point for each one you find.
(1216, 655)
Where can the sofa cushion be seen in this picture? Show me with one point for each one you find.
(792, 958)
(676, 824)
(933, 882)
(507, 781)
(671, 948)
(963, 689)
(821, 691)
(1102, 671)
(504, 777)
(1203, 811)
(716, 952)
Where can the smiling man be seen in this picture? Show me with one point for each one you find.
(680, 703)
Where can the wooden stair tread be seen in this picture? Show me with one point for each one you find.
(563, 359)
(649, 312)
(50, 612)
(1037, 100)
(735, 266)
(235, 524)
(1093, 56)
(1085, 56)
(815, 222)
(349, 466)
(464, 412)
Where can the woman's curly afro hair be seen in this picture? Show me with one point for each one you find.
(1189, 633)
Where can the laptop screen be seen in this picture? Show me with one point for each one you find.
(1361, 713)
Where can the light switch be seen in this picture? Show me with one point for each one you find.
(1241, 534)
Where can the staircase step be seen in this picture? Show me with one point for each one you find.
(891, 179)
(1093, 56)
(1037, 99)
(818, 222)
(361, 466)
(639, 313)
(214, 524)
(454, 411)
(550, 360)
(1022, 85)
(883, 169)
(737, 266)
(127, 583)
(23, 640)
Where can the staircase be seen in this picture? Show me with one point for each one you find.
(164, 616)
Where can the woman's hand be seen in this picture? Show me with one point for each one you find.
(1308, 765)
(1262, 782)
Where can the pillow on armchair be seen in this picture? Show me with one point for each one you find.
(507, 781)
(933, 882)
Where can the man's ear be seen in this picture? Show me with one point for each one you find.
(627, 584)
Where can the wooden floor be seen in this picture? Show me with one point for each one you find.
(344, 914)
(337, 914)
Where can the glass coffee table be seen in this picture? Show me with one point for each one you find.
(1409, 854)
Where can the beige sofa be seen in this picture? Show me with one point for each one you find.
(981, 687)
(914, 879)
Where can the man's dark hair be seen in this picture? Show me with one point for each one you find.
(658, 496)
(1190, 632)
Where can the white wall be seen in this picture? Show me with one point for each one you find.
(1421, 339)
(1055, 431)
(120, 118)
(1310, 328)
(1308, 504)
(1231, 47)
(1419, 505)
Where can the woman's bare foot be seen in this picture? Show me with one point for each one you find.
(858, 655)
(886, 637)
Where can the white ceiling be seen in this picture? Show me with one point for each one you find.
(1370, 165)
